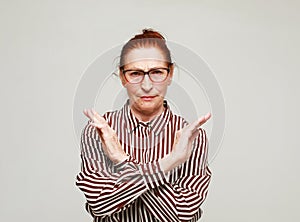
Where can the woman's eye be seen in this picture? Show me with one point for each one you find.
(135, 73)
(156, 72)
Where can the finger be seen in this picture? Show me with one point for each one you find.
(106, 130)
(86, 113)
(196, 124)
(97, 125)
(192, 126)
(91, 115)
(199, 122)
(93, 111)
(207, 116)
(99, 130)
(99, 117)
(203, 119)
(95, 117)
(103, 126)
(195, 134)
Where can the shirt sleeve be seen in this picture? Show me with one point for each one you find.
(181, 200)
(110, 188)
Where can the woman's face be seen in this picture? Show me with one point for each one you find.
(146, 98)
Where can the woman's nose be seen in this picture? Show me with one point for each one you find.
(146, 83)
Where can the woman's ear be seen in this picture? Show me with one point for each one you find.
(122, 78)
(171, 73)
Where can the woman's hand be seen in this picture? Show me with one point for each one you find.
(182, 147)
(111, 144)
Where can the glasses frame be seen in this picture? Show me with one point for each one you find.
(146, 73)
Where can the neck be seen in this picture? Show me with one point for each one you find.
(146, 116)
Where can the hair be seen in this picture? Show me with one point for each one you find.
(149, 38)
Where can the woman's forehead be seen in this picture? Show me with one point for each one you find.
(146, 64)
(147, 55)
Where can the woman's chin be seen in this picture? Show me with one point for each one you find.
(148, 108)
(150, 104)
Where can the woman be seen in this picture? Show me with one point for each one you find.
(144, 163)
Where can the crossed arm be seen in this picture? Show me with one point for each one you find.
(111, 181)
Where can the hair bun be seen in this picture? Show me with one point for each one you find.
(147, 30)
(148, 33)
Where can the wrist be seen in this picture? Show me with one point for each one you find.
(169, 162)
(121, 159)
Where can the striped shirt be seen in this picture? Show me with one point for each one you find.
(137, 189)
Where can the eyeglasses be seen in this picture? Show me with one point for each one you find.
(156, 75)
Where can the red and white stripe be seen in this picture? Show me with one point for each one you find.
(137, 189)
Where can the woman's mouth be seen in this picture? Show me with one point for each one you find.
(147, 98)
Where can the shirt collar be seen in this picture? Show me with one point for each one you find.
(156, 125)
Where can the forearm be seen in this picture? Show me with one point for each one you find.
(171, 161)
(180, 201)
(107, 193)
(168, 163)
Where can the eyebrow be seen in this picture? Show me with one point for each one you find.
(136, 68)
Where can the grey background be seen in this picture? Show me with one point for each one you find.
(252, 47)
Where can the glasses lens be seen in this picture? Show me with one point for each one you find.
(137, 76)
(134, 76)
(158, 75)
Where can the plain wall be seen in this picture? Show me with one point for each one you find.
(252, 47)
